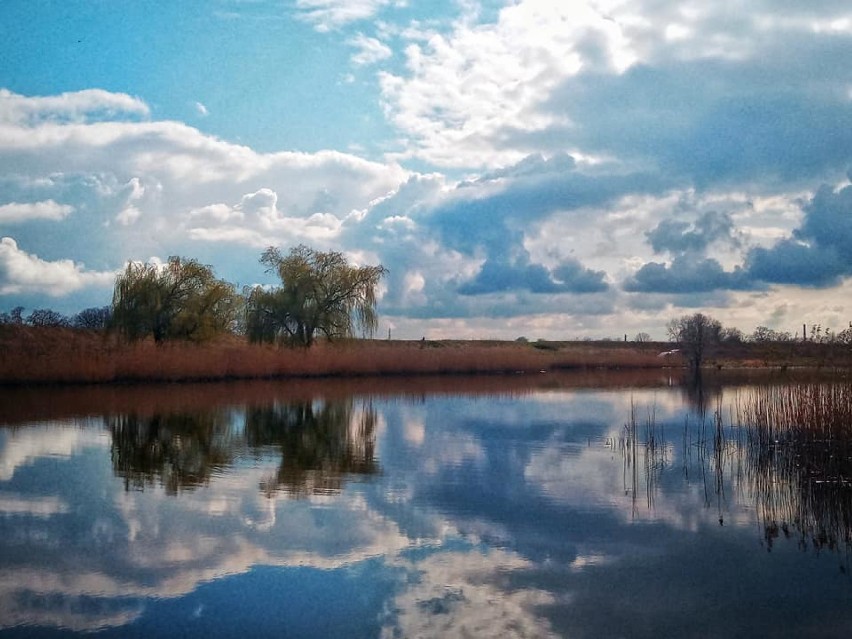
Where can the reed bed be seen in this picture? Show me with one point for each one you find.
(787, 448)
(68, 356)
(800, 454)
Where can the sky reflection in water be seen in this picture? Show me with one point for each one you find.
(527, 513)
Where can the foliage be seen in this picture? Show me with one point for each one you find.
(642, 338)
(181, 299)
(320, 294)
(695, 334)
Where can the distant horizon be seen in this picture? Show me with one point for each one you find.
(527, 168)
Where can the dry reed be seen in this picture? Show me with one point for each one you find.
(64, 356)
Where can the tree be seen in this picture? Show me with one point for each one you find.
(642, 338)
(320, 294)
(178, 300)
(96, 318)
(695, 334)
(15, 316)
(47, 317)
(731, 335)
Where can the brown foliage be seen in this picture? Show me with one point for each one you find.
(67, 356)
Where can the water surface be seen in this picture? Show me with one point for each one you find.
(510, 507)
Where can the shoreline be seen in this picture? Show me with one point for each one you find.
(69, 357)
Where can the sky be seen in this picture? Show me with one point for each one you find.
(551, 170)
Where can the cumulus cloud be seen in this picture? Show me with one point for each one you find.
(25, 212)
(257, 221)
(677, 236)
(819, 253)
(21, 272)
(369, 50)
(685, 274)
(504, 275)
(462, 90)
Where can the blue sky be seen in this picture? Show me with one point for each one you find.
(556, 170)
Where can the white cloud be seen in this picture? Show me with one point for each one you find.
(21, 272)
(326, 15)
(77, 106)
(25, 212)
(201, 109)
(370, 50)
(257, 221)
(460, 91)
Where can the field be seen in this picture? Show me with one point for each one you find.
(58, 355)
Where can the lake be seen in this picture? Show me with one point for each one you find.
(606, 505)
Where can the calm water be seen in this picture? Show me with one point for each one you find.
(490, 508)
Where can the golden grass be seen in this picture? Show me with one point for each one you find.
(31, 355)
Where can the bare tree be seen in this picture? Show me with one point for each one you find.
(696, 335)
(95, 318)
(47, 317)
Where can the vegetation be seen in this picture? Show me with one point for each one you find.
(695, 334)
(322, 298)
(787, 447)
(181, 299)
(320, 294)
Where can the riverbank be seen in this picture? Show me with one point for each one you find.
(68, 356)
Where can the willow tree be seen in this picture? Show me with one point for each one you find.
(320, 295)
(178, 300)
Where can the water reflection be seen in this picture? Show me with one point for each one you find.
(490, 510)
(320, 444)
(180, 450)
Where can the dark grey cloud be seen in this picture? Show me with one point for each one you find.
(677, 236)
(820, 252)
(502, 275)
(783, 115)
(686, 274)
(494, 220)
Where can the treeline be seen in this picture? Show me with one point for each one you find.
(699, 336)
(320, 294)
(95, 318)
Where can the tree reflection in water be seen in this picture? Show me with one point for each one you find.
(180, 450)
(320, 444)
(787, 448)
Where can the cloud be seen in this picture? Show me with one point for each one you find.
(21, 272)
(460, 91)
(792, 262)
(676, 236)
(569, 276)
(46, 210)
(328, 15)
(257, 221)
(819, 253)
(369, 50)
(733, 94)
(77, 106)
(201, 110)
(685, 274)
